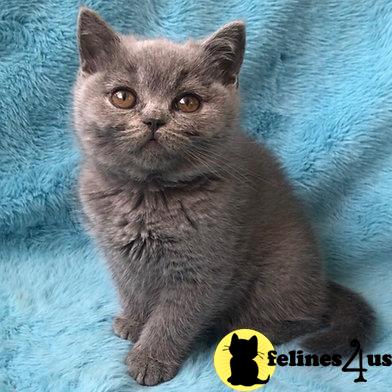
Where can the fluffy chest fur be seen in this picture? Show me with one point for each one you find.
(148, 225)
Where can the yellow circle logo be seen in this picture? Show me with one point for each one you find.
(241, 360)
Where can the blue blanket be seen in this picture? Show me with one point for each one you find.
(316, 87)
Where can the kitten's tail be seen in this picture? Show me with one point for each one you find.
(258, 381)
(350, 317)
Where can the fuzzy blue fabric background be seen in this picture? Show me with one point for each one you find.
(317, 88)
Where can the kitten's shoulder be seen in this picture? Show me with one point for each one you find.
(94, 184)
(256, 155)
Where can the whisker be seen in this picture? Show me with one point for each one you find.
(230, 167)
(206, 165)
(228, 170)
(176, 135)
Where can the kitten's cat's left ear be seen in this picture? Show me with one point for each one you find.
(253, 341)
(225, 51)
(98, 43)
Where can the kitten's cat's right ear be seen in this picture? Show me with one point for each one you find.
(98, 43)
(234, 338)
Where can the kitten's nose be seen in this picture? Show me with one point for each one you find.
(154, 123)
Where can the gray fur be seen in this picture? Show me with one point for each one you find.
(200, 229)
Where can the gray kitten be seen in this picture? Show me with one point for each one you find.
(198, 224)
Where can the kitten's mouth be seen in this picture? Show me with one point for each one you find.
(152, 138)
(152, 142)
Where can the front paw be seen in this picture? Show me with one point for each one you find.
(147, 370)
(126, 328)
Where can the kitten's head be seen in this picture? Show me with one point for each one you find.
(243, 348)
(152, 106)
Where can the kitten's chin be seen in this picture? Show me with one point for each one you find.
(154, 158)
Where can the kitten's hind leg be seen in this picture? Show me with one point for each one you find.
(279, 332)
(125, 328)
(233, 381)
(285, 331)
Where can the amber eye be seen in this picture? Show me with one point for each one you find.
(123, 99)
(188, 103)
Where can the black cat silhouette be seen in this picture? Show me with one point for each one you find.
(244, 370)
